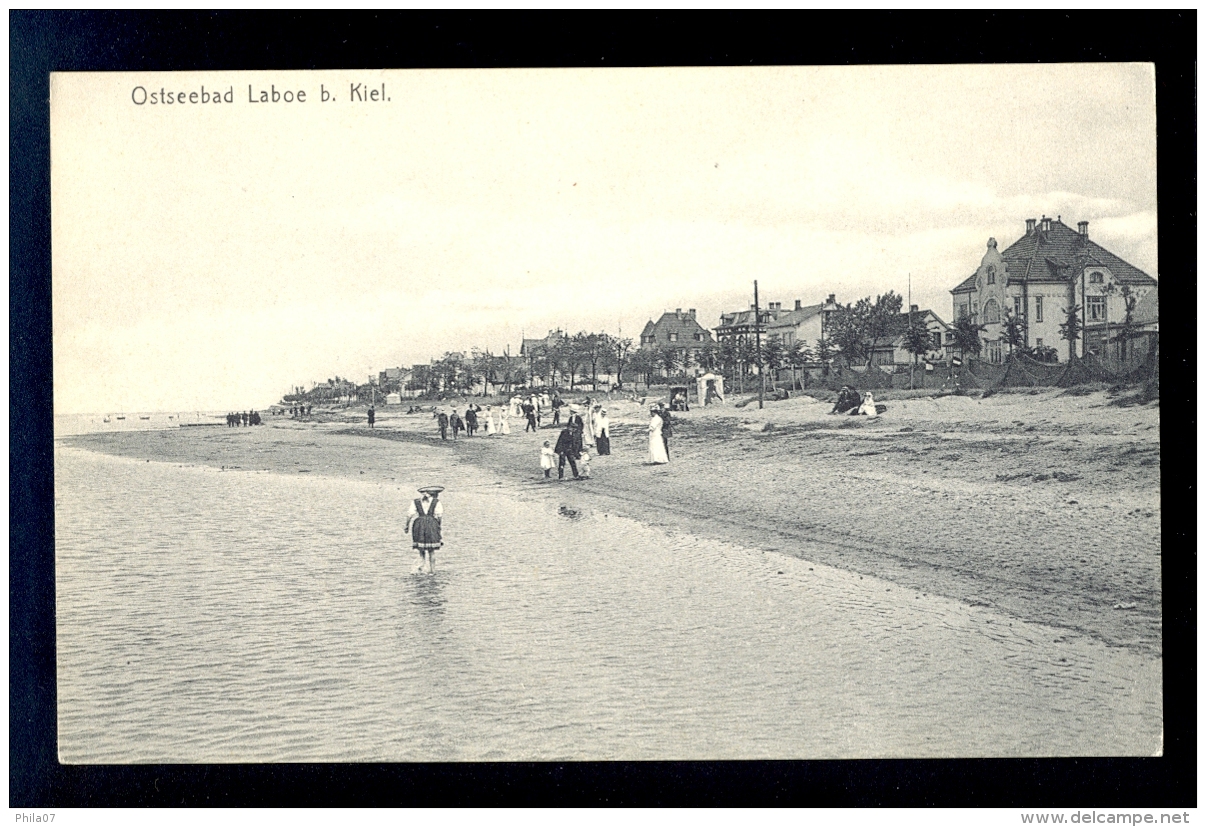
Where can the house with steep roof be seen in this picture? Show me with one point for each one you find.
(678, 330)
(1047, 270)
(803, 323)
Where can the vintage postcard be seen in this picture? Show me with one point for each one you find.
(611, 414)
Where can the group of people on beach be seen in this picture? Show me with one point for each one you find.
(848, 402)
(234, 418)
(587, 427)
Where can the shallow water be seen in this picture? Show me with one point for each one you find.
(208, 615)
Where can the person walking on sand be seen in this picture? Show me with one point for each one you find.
(470, 421)
(556, 409)
(667, 428)
(584, 463)
(442, 419)
(529, 412)
(490, 429)
(504, 422)
(457, 424)
(548, 459)
(588, 424)
(657, 448)
(424, 523)
(568, 446)
(372, 416)
(603, 434)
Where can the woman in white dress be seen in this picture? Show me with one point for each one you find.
(490, 428)
(504, 422)
(588, 425)
(868, 406)
(657, 448)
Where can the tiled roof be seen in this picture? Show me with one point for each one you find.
(1047, 256)
(791, 318)
(683, 324)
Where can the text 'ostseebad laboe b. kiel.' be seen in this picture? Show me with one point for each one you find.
(357, 93)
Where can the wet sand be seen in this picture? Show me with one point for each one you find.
(1043, 506)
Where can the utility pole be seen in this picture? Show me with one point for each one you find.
(913, 361)
(758, 346)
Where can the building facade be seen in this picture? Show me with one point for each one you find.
(1049, 269)
(676, 330)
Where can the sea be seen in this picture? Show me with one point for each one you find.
(210, 615)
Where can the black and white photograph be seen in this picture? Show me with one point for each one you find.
(606, 414)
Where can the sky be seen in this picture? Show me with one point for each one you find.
(213, 256)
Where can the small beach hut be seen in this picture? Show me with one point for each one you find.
(715, 382)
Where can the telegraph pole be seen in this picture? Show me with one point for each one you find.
(758, 346)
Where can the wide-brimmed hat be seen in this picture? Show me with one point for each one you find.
(431, 489)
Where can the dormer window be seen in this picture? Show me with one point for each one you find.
(992, 274)
(1097, 277)
(674, 337)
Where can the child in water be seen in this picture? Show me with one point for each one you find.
(548, 458)
(584, 463)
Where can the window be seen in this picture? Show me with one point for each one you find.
(975, 308)
(1017, 306)
(1096, 308)
(1096, 277)
(992, 312)
(992, 274)
(699, 337)
(1038, 342)
(674, 337)
(1038, 308)
(962, 310)
(937, 336)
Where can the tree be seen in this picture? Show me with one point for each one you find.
(1012, 330)
(621, 349)
(796, 355)
(847, 330)
(824, 353)
(967, 335)
(746, 355)
(1070, 328)
(590, 348)
(670, 359)
(707, 356)
(917, 341)
(728, 358)
(881, 319)
(773, 357)
(642, 364)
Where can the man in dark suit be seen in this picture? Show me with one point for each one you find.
(568, 448)
(667, 431)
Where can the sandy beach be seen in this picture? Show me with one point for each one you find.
(1042, 505)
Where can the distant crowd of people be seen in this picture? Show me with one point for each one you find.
(237, 419)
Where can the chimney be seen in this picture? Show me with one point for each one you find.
(691, 312)
(678, 311)
(912, 308)
(752, 305)
(1082, 227)
(1030, 222)
(1046, 225)
(797, 304)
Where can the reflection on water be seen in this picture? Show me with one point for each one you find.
(240, 616)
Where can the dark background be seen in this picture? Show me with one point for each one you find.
(43, 42)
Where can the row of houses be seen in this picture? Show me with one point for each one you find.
(1049, 268)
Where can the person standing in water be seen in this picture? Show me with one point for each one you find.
(424, 523)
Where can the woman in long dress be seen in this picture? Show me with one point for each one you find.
(504, 422)
(868, 406)
(657, 448)
(490, 429)
(603, 433)
(588, 425)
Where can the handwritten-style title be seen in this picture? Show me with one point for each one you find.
(357, 93)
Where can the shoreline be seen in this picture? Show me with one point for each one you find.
(1044, 506)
